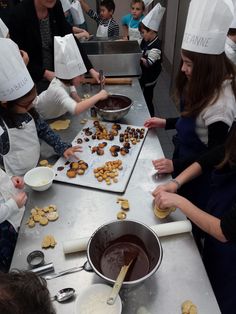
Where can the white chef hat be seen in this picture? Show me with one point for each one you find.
(207, 26)
(65, 5)
(153, 19)
(4, 31)
(67, 58)
(15, 80)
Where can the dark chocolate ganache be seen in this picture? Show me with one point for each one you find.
(119, 254)
(113, 102)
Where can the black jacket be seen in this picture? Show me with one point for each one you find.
(24, 30)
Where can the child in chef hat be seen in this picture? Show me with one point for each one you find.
(206, 88)
(21, 127)
(61, 95)
(152, 56)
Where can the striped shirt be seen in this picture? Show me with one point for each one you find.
(113, 27)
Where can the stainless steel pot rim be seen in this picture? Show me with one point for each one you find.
(126, 282)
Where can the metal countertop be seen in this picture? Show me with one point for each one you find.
(181, 275)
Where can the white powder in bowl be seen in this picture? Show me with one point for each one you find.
(94, 301)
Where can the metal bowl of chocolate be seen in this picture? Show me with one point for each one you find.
(114, 107)
(111, 244)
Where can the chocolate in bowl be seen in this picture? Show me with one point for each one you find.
(119, 233)
(114, 107)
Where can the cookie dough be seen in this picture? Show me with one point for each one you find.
(60, 124)
(188, 307)
(48, 241)
(162, 213)
(52, 216)
(43, 163)
(42, 215)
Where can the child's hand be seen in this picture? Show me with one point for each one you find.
(18, 182)
(71, 151)
(103, 94)
(155, 122)
(20, 199)
(163, 165)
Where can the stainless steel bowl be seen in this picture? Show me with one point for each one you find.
(114, 107)
(108, 233)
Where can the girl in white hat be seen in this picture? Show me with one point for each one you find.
(206, 88)
(20, 125)
(61, 95)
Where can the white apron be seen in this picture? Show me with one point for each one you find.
(7, 189)
(24, 150)
(102, 30)
(134, 33)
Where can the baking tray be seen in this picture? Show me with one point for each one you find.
(93, 160)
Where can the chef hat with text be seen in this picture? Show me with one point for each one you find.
(15, 80)
(4, 31)
(207, 26)
(67, 58)
(153, 19)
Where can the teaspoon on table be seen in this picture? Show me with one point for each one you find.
(86, 267)
(63, 295)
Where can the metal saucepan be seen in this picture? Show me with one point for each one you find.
(110, 242)
(114, 107)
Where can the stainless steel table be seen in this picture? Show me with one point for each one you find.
(181, 275)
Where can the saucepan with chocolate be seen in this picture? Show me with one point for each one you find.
(114, 107)
(112, 243)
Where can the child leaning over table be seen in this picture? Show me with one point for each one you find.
(12, 201)
(152, 56)
(21, 127)
(61, 95)
(107, 27)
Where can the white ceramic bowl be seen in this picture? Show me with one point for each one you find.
(39, 178)
(93, 300)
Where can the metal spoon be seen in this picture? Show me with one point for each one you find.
(86, 267)
(63, 295)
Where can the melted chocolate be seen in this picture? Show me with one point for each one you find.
(60, 168)
(120, 253)
(114, 102)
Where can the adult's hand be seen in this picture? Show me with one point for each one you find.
(155, 122)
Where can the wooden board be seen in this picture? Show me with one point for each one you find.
(93, 160)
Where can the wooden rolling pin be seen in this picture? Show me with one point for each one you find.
(110, 81)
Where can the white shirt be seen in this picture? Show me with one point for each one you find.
(55, 101)
(224, 110)
(8, 207)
